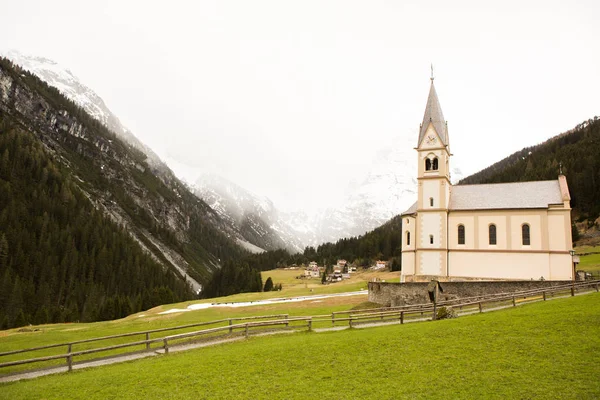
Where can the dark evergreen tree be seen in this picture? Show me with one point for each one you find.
(268, 285)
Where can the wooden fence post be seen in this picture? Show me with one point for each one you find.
(480, 309)
(596, 287)
(230, 328)
(544, 293)
(310, 324)
(514, 302)
(350, 320)
(332, 319)
(287, 324)
(166, 346)
(69, 359)
(246, 333)
(401, 317)
(572, 290)
(147, 340)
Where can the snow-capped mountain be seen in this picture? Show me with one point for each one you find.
(387, 189)
(69, 85)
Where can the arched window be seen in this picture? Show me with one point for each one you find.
(427, 164)
(407, 238)
(430, 239)
(525, 234)
(435, 164)
(461, 234)
(431, 201)
(492, 234)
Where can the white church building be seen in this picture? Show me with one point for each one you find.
(509, 231)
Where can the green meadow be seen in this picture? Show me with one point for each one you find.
(536, 351)
(591, 261)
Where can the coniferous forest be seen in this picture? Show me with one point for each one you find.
(60, 258)
(578, 151)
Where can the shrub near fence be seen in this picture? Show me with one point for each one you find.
(261, 324)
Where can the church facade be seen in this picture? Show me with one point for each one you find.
(508, 231)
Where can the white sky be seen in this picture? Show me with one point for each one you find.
(294, 98)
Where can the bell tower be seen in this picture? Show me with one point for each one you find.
(433, 178)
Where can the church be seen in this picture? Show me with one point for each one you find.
(505, 231)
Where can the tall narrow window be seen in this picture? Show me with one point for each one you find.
(461, 234)
(427, 164)
(431, 201)
(407, 238)
(435, 164)
(525, 234)
(492, 234)
(430, 239)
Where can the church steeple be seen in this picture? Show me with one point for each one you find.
(433, 115)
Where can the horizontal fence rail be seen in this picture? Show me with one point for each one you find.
(263, 323)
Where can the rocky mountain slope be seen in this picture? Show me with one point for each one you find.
(166, 219)
(72, 88)
(252, 229)
(255, 217)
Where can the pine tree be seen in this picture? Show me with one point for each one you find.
(268, 285)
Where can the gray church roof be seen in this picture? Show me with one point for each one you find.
(433, 114)
(537, 194)
(411, 210)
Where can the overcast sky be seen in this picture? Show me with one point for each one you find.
(293, 98)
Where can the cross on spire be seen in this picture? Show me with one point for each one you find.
(432, 77)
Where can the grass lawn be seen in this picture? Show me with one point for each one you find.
(591, 261)
(542, 350)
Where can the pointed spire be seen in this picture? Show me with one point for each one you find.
(434, 115)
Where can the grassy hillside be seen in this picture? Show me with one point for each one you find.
(541, 350)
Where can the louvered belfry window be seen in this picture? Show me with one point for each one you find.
(492, 234)
(408, 238)
(525, 234)
(461, 234)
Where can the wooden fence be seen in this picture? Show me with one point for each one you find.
(258, 324)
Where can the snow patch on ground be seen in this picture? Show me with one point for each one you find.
(250, 247)
(318, 298)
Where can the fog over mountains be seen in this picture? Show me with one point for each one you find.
(383, 191)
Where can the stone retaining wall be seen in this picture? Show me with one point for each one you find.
(400, 294)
